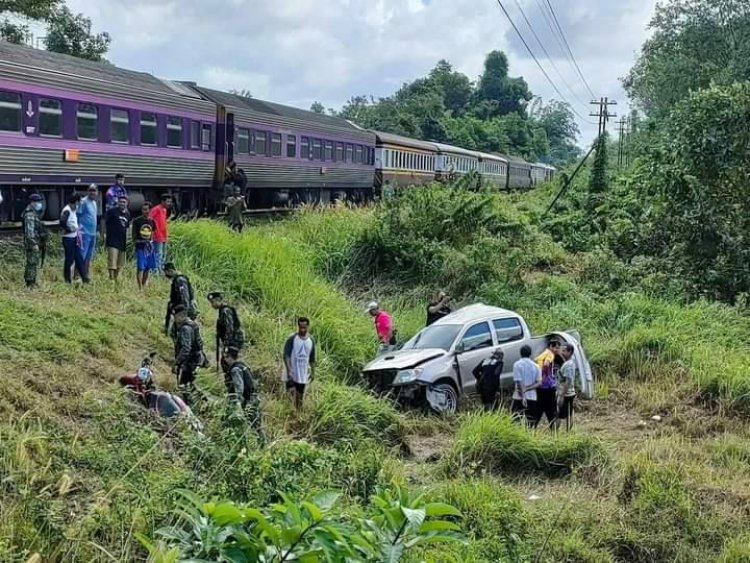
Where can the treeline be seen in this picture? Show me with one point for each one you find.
(680, 214)
(497, 113)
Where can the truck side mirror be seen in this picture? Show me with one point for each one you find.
(460, 348)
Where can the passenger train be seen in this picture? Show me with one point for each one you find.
(67, 122)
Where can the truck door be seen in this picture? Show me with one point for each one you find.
(510, 339)
(475, 345)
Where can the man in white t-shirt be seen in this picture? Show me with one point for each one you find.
(299, 360)
(526, 378)
(566, 387)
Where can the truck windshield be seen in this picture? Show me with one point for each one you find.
(434, 336)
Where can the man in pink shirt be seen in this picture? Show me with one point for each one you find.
(159, 215)
(383, 328)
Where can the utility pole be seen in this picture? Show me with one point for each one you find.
(621, 147)
(603, 113)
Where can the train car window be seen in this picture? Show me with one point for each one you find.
(148, 128)
(349, 153)
(195, 135)
(87, 119)
(305, 148)
(174, 132)
(207, 136)
(328, 155)
(260, 142)
(119, 125)
(291, 146)
(243, 140)
(10, 111)
(339, 152)
(50, 118)
(276, 144)
(317, 149)
(358, 152)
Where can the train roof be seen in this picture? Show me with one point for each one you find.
(254, 105)
(457, 150)
(486, 155)
(392, 139)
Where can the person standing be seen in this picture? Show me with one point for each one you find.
(235, 206)
(487, 373)
(143, 240)
(566, 390)
(115, 191)
(33, 238)
(299, 360)
(527, 377)
(71, 241)
(383, 328)
(159, 214)
(88, 212)
(116, 221)
(229, 331)
(547, 395)
(180, 293)
(438, 308)
(188, 351)
(242, 389)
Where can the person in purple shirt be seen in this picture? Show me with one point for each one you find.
(115, 192)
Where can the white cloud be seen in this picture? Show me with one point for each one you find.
(292, 51)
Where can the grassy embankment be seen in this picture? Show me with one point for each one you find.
(83, 472)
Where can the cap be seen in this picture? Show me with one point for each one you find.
(169, 266)
(93, 187)
(179, 309)
(118, 176)
(214, 295)
(36, 197)
(371, 305)
(233, 351)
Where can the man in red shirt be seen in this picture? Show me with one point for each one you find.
(383, 328)
(159, 215)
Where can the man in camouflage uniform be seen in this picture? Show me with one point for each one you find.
(188, 351)
(228, 328)
(241, 387)
(180, 293)
(34, 238)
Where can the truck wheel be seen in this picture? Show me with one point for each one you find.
(442, 398)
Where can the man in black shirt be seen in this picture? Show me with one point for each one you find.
(438, 308)
(229, 331)
(487, 374)
(188, 351)
(117, 221)
(143, 238)
(241, 387)
(180, 293)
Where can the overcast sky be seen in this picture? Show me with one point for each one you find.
(298, 51)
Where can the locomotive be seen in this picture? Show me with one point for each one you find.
(67, 122)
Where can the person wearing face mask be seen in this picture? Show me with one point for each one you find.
(33, 238)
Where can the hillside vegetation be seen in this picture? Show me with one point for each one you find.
(86, 475)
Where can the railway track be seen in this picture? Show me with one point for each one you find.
(14, 228)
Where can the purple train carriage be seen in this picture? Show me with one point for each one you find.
(67, 122)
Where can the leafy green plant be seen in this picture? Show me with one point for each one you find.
(304, 530)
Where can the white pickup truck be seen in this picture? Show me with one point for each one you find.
(435, 367)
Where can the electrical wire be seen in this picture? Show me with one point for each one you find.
(541, 68)
(549, 58)
(567, 47)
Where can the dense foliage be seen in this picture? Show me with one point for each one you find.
(498, 113)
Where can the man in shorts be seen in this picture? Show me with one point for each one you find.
(117, 221)
(566, 389)
(299, 360)
(143, 237)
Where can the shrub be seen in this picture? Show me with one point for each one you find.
(495, 443)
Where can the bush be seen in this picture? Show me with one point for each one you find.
(495, 443)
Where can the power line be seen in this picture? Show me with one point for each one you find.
(541, 68)
(567, 46)
(549, 58)
(550, 24)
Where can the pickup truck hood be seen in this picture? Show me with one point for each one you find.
(404, 359)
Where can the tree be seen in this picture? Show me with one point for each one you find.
(317, 107)
(243, 93)
(455, 87)
(70, 34)
(558, 121)
(695, 43)
(16, 13)
(497, 93)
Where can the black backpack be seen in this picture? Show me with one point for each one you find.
(239, 336)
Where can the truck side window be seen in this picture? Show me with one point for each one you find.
(478, 336)
(507, 330)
